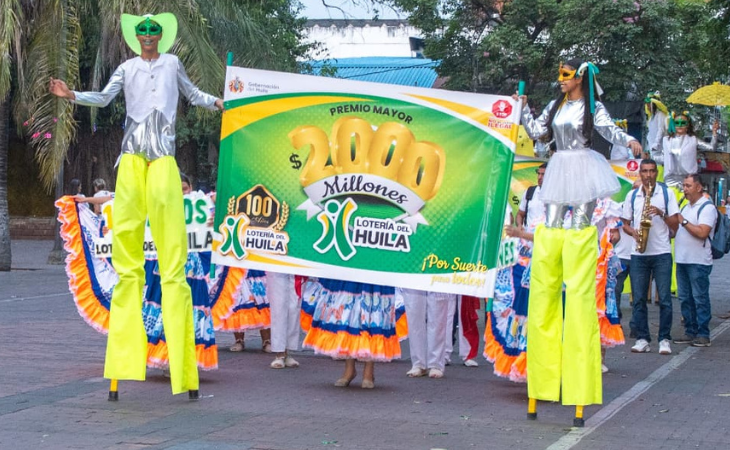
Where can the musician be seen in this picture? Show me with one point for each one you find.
(656, 258)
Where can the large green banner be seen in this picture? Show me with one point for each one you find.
(374, 183)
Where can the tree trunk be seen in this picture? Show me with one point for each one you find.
(58, 254)
(5, 255)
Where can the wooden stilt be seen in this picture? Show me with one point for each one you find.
(113, 391)
(532, 408)
(578, 420)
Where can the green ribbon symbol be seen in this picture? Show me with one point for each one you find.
(335, 220)
(232, 229)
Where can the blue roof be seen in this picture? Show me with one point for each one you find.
(419, 72)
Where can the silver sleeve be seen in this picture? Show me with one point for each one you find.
(536, 128)
(705, 147)
(604, 125)
(103, 98)
(194, 95)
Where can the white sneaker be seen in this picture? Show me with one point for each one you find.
(642, 346)
(471, 363)
(664, 348)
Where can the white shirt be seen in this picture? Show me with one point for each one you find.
(536, 212)
(687, 248)
(658, 243)
(680, 158)
(657, 130)
(619, 153)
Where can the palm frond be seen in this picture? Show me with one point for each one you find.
(10, 17)
(51, 123)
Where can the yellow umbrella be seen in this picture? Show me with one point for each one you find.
(715, 94)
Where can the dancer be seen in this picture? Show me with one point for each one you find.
(656, 123)
(427, 314)
(564, 349)
(352, 321)
(680, 149)
(92, 281)
(148, 186)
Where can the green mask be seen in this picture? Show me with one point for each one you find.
(148, 28)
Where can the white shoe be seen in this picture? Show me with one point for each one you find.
(291, 362)
(604, 369)
(641, 346)
(416, 372)
(664, 347)
(435, 373)
(471, 363)
(278, 363)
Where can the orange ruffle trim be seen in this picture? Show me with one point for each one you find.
(342, 344)
(246, 319)
(157, 357)
(77, 269)
(505, 366)
(224, 305)
(612, 335)
(305, 321)
(401, 327)
(225, 319)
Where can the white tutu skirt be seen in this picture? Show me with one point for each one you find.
(576, 177)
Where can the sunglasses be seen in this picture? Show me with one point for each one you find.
(148, 28)
(681, 123)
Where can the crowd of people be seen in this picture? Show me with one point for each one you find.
(553, 313)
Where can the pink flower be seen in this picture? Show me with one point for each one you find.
(55, 119)
(36, 135)
(25, 124)
(48, 135)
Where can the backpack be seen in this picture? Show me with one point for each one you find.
(528, 196)
(720, 240)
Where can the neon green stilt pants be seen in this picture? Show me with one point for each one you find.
(564, 350)
(150, 189)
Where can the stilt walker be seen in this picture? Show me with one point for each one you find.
(564, 347)
(148, 187)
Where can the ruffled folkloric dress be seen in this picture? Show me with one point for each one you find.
(250, 309)
(344, 319)
(92, 281)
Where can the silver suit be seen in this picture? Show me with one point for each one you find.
(151, 91)
(576, 175)
(568, 126)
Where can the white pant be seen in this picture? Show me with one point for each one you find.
(285, 311)
(427, 341)
(450, 328)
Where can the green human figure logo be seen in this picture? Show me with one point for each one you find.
(232, 229)
(335, 220)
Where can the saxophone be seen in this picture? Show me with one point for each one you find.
(644, 223)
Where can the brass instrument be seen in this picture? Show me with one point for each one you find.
(644, 223)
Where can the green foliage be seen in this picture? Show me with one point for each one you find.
(673, 46)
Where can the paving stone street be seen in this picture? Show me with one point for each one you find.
(53, 396)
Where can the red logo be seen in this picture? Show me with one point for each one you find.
(632, 165)
(502, 109)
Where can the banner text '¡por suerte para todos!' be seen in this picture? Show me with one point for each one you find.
(355, 108)
(433, 260)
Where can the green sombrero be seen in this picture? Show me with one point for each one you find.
(167, 21)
